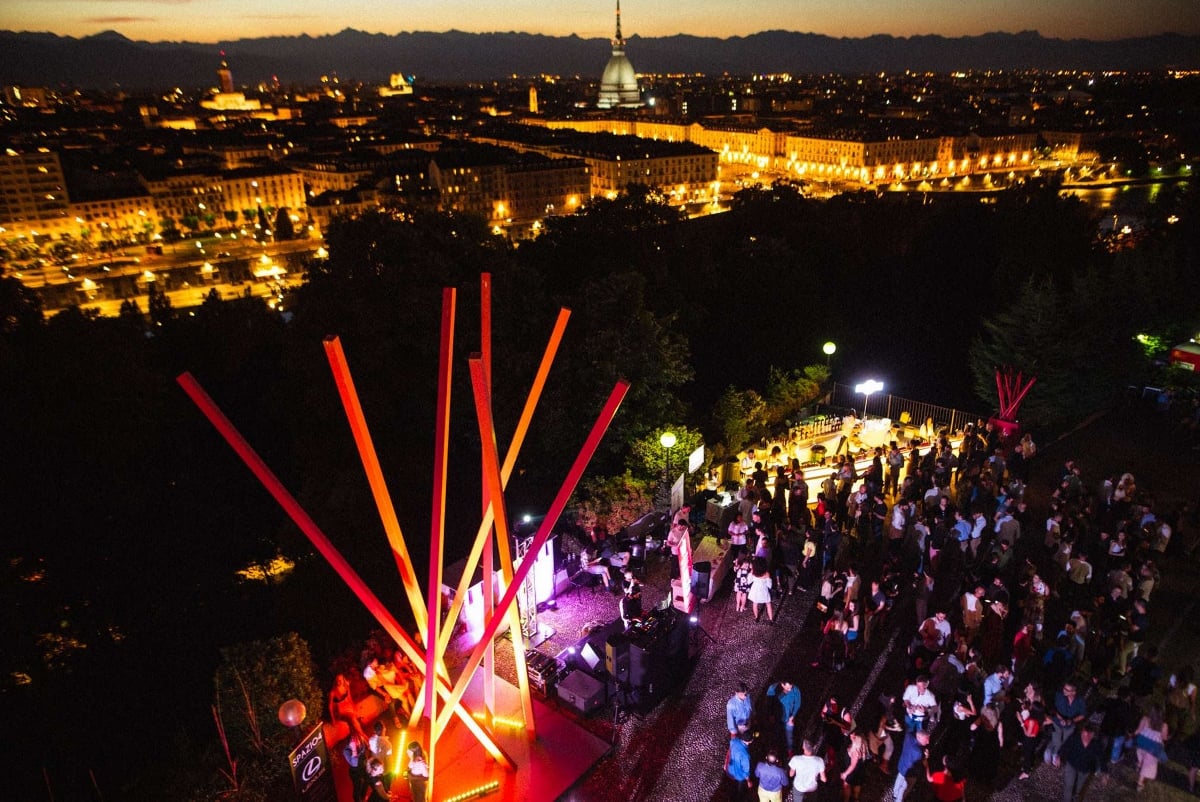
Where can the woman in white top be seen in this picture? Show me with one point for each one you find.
(760, 590)
(737, 530)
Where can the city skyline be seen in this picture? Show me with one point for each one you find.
(205, 21)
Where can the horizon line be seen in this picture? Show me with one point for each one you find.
(348, 29)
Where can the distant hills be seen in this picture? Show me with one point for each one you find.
(109, 59)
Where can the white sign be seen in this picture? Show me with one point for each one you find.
(696, 459)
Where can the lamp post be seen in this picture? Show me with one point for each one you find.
(667, 441)
(866, 388)
(291, 715)
(830, 348)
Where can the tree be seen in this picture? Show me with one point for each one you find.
(647, 455)
(614, 501)
(789, 391)
(20, 307)
(739, 416)
(284, 230)
(161, 310)
(1032, 336)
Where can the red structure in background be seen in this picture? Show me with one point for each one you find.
(1011, 391)
(428, 655)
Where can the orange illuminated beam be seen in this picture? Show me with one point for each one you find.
(510, 460)
(491, 473)
(335, 559)
(543, 534)
(370, 461)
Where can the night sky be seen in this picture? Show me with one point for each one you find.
(213, 20)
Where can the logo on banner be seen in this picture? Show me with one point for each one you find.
(310, 766)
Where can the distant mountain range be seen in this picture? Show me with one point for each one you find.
(109, 59)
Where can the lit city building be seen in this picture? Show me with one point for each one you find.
(33, 193)
(619, 85)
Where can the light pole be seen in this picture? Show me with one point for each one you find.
(830, 348)
(291, 715)
(866, 388)
(667, 441)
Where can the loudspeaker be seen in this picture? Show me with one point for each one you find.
(616, 657)
(585, 694)
(701, 577)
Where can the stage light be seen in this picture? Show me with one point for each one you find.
(693, 620)
(480, 791)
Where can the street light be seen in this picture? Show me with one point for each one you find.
(291, 715)
(866, 388)
(667, 441)
(830, 348)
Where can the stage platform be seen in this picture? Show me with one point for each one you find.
(547, 767)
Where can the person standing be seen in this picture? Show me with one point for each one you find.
(806, 770)
(772, 778)
(738, 710)
(1082, 755)
(857, 755)
(737, 531)
(1069, 711)
(912, 753)
(743, 574)
(760, 590)
(789, 704)
(1150, 739)
(737, 765)
(355, 754)
(418, 772)
(919, 702)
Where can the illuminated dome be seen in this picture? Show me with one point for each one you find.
(619, 86)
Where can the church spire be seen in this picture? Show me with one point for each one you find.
(618, 40)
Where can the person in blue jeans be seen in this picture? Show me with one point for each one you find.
(1069, 711)
(737, 764)
(789, 703)
(912, 753)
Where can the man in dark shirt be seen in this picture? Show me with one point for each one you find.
(1117, 723)
(1082, 755)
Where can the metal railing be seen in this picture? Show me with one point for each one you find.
(893, 406)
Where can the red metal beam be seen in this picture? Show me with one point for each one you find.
(491, 472)
(556, 508)
(374, 471)
(437, 526)
(322, 543)
(510, 460)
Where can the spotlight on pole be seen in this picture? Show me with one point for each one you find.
(867, 388)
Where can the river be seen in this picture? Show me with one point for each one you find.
(1123, 204)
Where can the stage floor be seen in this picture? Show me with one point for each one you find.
(547, 767)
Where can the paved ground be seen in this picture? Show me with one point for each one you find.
(676, 750)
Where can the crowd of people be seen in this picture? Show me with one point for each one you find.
(383, 671)
(1024, 633)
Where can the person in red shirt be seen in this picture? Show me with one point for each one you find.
(947, 787)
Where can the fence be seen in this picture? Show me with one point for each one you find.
(893, 406)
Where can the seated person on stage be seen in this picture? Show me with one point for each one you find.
(593, 563)
(396, 689)
(616, 559)
(631, 601)
(343, 708)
